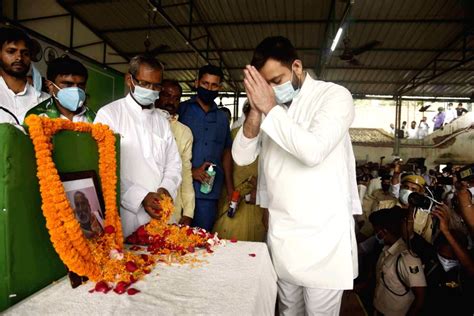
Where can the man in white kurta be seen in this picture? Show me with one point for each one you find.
(149, 158)
(309, 168)
(17, 95)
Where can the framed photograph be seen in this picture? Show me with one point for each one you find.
(82, 191)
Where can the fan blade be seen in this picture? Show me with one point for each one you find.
(158, 49)
(368, 46)
(354, 62)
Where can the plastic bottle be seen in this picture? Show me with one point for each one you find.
(234, 202)
(206, 186)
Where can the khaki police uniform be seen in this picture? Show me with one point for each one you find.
(391, 296)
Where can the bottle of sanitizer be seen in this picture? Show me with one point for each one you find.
(206, 187)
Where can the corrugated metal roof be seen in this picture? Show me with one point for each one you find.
(412, 33)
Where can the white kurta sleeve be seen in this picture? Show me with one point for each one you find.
(172, 172)
(132, 195)
(329, 125)
(245, 150)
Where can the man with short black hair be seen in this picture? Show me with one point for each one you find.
(460, 110)
(66, 82)
(300, 128)
(17, 96)
(150, 166)
(212, 143)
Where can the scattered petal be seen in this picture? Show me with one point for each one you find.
(131, 266)
(132, 291)
(233, 240)
(252, 255)
(109, 229)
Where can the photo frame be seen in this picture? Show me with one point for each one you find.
(83, 193)
(84, 196)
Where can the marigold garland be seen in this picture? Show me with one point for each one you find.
(102, 259)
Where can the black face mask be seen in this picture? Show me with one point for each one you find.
(206, 96)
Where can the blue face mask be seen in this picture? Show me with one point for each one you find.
(145, 96)
(71, 98)
(206, 96)
(285, 92)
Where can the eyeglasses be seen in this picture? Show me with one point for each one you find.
(146, 84)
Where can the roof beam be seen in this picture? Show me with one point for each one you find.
(312, 49)
(188, 41)
(418, 80)
(65, 4)
(285, 22)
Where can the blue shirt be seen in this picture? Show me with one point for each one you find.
(211, 132)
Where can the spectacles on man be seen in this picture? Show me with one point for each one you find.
(146, 84)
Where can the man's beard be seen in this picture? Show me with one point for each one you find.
(21, 74)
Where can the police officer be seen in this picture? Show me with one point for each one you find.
(400, 281)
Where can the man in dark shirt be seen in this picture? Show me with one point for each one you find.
(212, 143)
(460, 110)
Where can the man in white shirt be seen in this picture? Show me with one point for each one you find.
(412, 132)
(300, 128)
(149, 160)
(17, 96)
(67, 79)
(451, 114)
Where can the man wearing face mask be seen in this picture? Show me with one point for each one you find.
(184, 204)
(150, 165)
(451, 278)
(400, 281)
(67, 79)
(17, 96)
(300, 128)
(211, 145)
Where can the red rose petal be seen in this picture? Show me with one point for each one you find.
(91, 291)
(131, 266)
(252, 255)
(132, 291)
(102, 286)
(147, 271)
(109, 229)
(191, 249)
(121, 287)
(233, 239)
(144, 257)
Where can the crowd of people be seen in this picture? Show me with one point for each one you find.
(257, 180)
(421, 130)
(415, 239)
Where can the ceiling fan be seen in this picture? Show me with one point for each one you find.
(147, 42)
(349, 53)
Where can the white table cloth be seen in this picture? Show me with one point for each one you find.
(230, 282)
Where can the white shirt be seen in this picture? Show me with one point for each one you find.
(412, 133)
(309, 168)
(149, 157)
(19, 103)
(451, 114)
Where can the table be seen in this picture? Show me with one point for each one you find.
(230, 282)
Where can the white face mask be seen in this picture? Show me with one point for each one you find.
(447, 264)
(285, 92)
(403, 196)
(145, 96)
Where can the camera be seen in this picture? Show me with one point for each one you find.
(466, 173)
(421, 201)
